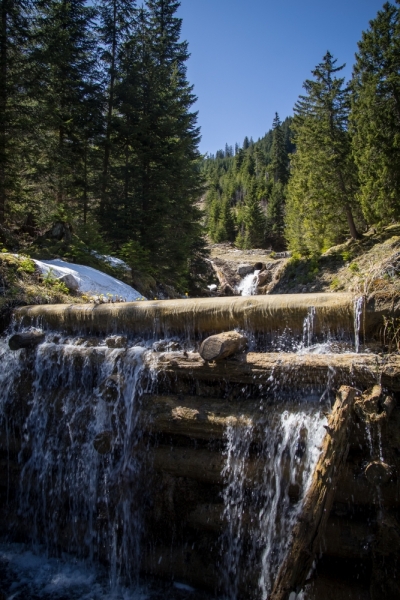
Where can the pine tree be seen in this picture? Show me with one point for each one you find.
(275, 218)
(279, 155)
(14, 84)
(323, 185)
(156, 170)
(115, 28)
(252, 226)
(376, 116)
(69, 103)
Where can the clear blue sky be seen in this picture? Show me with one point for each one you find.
(249, 58)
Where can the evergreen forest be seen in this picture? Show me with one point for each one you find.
(97, 131)
(330, 172)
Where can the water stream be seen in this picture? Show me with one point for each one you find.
(83, 485)
(259, 521)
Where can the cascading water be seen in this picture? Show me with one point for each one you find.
(248, 285)
(238, 440)
(81, 449)
(358, 308)
(260, 515)
(308, 327)
(113, 480)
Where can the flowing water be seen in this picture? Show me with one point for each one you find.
(358, 308)
(248, 285)
(83, 480)
(259, 522)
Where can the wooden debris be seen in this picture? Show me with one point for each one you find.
(310, 528)
(378, 472)
(264, 368)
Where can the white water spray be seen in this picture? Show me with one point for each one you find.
(358, 309)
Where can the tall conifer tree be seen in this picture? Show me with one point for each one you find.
(14, 86)
(64, 60)
(323, 185)
(279, 155)
(115, 28)
(376, 116)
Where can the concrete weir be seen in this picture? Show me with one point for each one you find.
(264, 314)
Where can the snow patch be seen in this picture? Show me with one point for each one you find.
(111, 260)
(91, 281)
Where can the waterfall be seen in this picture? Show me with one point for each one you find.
(248, 285)
(118, 463)
(80, 445)
(308, 327)
(358, 308)
(259, 523)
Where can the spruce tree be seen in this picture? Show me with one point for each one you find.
(278, 151)
(252, 226)
(376, 116)
(14, 87)
(115, 28)
(275, 218)
(156, 164)
(323, 185)
(69, 103)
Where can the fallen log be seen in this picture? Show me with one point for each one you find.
(377, 472)
(269, 314)
(27, 339)
(196, 416)
(310, 528)
(222, 345)
(274, 368)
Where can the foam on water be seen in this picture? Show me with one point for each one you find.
(31, 574)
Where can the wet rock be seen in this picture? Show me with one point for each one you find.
(227, 290)
(117, 341)
(263, 277)
(244, 270)
(166, 346)
(102, 443)
(110, 389)
(27, 339)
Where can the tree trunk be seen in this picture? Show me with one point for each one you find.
(309, 530)
(106, 159)
(363, 370)
(350, 220)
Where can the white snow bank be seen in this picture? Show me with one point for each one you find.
(91, 281)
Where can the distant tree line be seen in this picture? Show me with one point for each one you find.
(96, 127)
(332, 170)
(246, 189)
